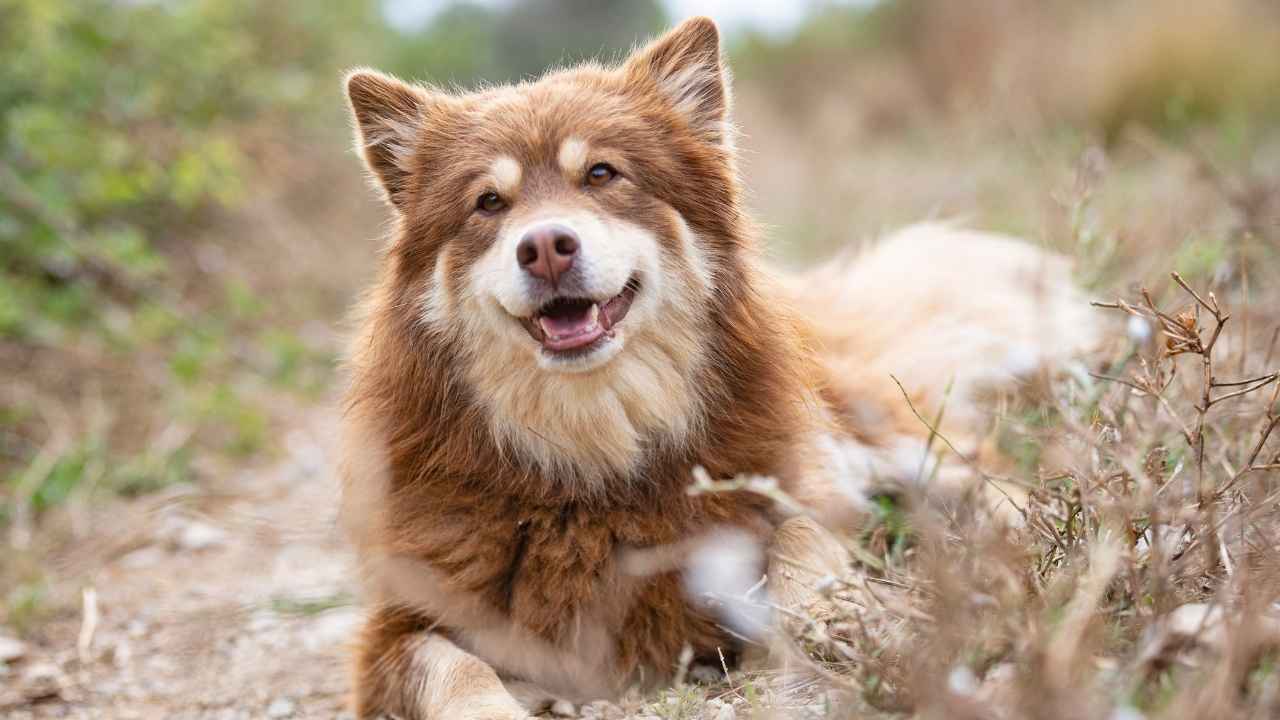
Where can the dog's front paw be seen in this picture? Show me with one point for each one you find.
(485, 709)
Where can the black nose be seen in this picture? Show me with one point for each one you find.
(547, 252)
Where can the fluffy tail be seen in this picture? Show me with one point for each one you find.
(951, 314)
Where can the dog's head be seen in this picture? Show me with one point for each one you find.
(565, 238)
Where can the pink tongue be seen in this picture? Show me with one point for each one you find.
(566, 325)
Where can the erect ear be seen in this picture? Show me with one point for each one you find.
(389, 117)
(686, 67)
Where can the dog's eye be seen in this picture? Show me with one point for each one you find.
(601, 174)
(491, 202)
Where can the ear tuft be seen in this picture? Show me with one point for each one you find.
(686, 66)
(389, 116)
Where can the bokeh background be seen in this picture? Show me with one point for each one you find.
(183, 225)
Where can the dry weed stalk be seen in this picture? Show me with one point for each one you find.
(1183, 335)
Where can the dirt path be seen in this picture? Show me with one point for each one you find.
(233, 603)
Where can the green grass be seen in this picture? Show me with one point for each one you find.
(308, 605)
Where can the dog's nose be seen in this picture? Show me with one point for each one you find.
(547, 252)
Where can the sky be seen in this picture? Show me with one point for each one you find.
(778, 17)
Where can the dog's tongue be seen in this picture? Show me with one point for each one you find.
(567, 324)
(571, 327)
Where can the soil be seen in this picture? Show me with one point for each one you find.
(234, 603)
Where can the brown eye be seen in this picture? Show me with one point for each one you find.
(491, 202)
(601, 174)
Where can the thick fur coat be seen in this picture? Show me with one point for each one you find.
(522, 513)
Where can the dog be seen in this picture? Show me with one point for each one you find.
(571, 323)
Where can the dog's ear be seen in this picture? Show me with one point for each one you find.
(389, 117)
(686, 68)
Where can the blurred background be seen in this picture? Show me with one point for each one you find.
(183, 225)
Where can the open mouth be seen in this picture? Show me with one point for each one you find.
(568, 324)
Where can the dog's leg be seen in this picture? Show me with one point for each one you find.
(416, 674)
(802, 554)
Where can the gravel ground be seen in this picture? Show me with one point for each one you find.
(228, 604)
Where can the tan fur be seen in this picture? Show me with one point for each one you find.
(526, 522)
(452, 682)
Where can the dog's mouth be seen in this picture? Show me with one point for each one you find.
(566, 325)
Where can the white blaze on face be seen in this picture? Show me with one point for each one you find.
(506, 172)
(436, 305)
(573, 155)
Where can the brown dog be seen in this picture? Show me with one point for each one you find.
(571, 318)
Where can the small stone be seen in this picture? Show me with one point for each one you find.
(42, 680)
(200, 536)
(332, 628)
(961, 681)
(563, 708)
(706, 673)
(121, 653)
(727, 713)
(281, 708)
(11, 649)
(603, 710)
(142, 558)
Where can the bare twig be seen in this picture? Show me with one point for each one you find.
(1271, 347)
(88, 626)
(1266, 381)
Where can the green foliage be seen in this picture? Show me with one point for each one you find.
(120, 123)
(26, 604)
(67, 473)
(246, 423)
(893, 524)
(125, 128)
(309, 605)
(834, 30)
(152, 470)
(468, 43)
(1020, 436)
(91, 463)
(1200, 257)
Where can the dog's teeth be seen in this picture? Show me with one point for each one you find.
(546, 331)
(594, 314)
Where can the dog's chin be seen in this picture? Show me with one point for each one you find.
(589, 358)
